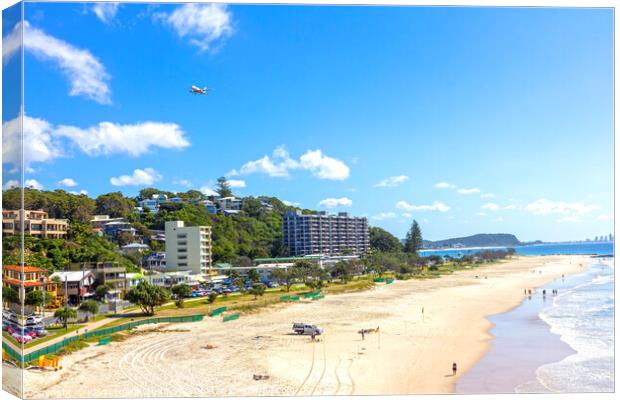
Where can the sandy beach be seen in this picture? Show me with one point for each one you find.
(411, 354)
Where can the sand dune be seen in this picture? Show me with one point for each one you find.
(411, 354)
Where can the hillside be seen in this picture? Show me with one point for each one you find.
(479, 240)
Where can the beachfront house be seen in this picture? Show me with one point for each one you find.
(74, 286)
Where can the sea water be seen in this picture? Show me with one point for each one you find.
(583, 316)
(600, 248)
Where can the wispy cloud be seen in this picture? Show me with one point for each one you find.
(208, 191)
(10, 184)
(332, 202)
(444, 185)
(183, 182)
(546, 207)
(106, 12)
(140, 177)
(236, 183)
(290, 203)
(205, 25)
(383, 216)
(436, 206)
(33, 184)
(67, 182)
(135, 140)
(39, 142)
(11, 43)
(468, 191)
(280, 164)
(87, 76)
(491, 206)
(392, 181)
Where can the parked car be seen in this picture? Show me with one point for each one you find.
(31, 332)
(34, 317)
(21, 338)
(41, 332)
(306, 329)
(11, 330)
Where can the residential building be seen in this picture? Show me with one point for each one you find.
(229, 204)
(106, 273)
(35, 223)
(264, 270)
(188, 247)
(134, 248)
(324, 234)
(24, 279)
(74, 285)
(115, 228)
(170, 279)
(210, 206)
(155, 261)
(99, 221)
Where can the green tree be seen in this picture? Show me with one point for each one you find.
(253, 275)
(181, 291)
(101, 292)
(223, 187)
(383, 241)
(147, 296)
(90, 307)
(413, 241)
(36, 298)
(212, 297)
(9, 295)
(342, 270)
(115, 205)
(285, 276)
(64, 314)
(258, 289)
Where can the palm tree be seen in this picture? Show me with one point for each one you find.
(64, 314)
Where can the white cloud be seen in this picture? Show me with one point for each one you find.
(384, 215)
(205, 25)
(332, 202)
(11, 43)
(491, 206)
(280, 164)
(10, 184)
(183, 182)
(510, 207)
(39, 143)
(140, 177)
(392, 181)
(468, 191)
(606, 217)
(236, 183)
(545, 207)
(105, 11)
(135, 139)
(42, 140)
(87, 76)
(444, 185)
(208, 191)
(436, 206)
(406, 215)
(425, 221)
(570, 218)
(487, 195)
(290, 203)
(84, 192)
(68, 182)
(32, 183)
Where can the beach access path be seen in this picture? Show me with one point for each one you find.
(411, 352)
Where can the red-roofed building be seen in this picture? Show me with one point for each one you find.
(27, 278)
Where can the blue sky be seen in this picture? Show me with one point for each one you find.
(468, 119)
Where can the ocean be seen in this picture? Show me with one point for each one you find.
(600, 248)
(561, 344)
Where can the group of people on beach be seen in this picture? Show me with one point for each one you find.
(528, 292)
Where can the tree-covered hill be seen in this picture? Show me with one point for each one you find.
(479, 240)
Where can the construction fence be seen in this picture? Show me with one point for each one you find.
(53, 348)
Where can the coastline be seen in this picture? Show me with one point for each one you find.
(411, 354)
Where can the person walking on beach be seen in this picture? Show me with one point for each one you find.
(453, 369)
(422, 313)
(312, 336)
(362, 334)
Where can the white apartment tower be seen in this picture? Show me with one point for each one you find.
(188, 248)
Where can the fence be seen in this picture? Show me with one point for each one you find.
(230, 317)
(218, 311)
(51, 349)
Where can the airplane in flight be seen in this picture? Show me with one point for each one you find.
(196, 90)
